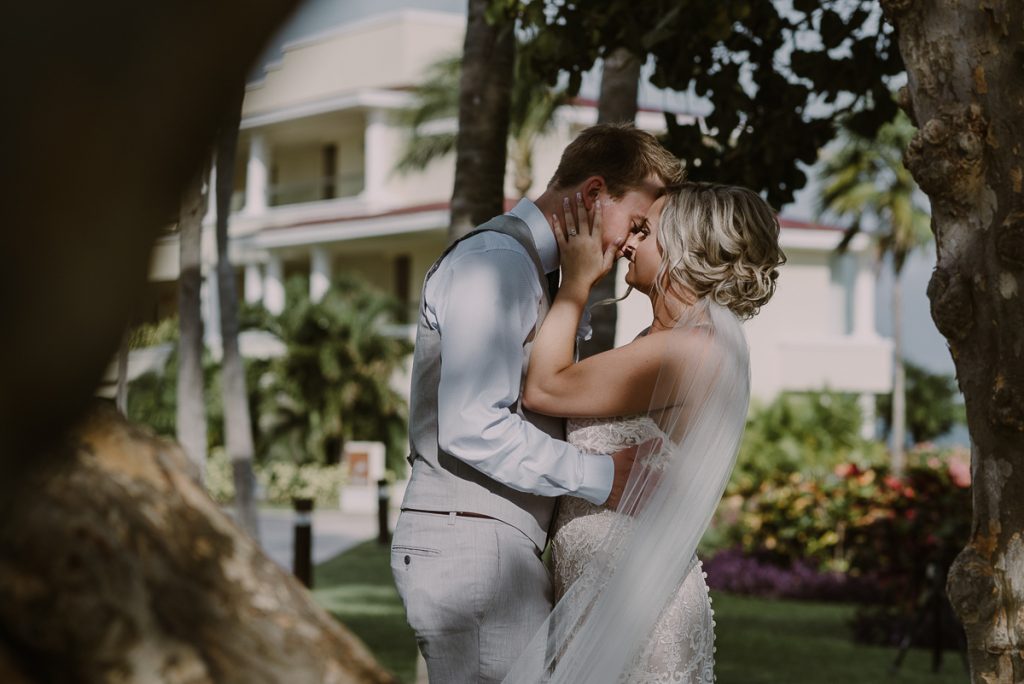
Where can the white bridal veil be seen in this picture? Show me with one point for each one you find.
(599, 629)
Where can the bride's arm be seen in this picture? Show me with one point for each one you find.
(614, 383)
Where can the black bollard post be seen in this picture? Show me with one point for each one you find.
(302, 558)
(383, 503)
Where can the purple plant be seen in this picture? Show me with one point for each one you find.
(737, 572)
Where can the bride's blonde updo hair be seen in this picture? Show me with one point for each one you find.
(719, 241)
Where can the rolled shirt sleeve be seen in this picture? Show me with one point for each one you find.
(485, 310)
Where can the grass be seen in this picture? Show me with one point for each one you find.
(356, 587)
(759, 641)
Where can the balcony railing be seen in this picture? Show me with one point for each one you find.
(315, 189)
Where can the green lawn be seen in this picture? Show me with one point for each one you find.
(759, 641)
(356, 587)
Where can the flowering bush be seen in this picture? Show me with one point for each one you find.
(880, 531)
(858, 519)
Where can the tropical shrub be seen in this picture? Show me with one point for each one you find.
(933, 405)
(333, 384)
(153, 399)
(808, 433)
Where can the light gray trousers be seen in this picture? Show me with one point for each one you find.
(475, 592)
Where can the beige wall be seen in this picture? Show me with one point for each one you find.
(397, 46)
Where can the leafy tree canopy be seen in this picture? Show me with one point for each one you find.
(776, 79)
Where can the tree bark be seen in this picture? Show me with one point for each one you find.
(481, 147)
(966, 93)
(620, 82)
(237, 421)
(147, 104)
(899, 384)
(191, 402)
(120, 568)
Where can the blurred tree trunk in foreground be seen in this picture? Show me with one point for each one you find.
(121, 568)
(237, 421)
(190, 408)
(620, 82)
(485, 95)
(114, 565)
(966, 93)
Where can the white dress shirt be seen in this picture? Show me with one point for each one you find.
(483, 298)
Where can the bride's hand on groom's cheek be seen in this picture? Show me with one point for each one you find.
(584, 259)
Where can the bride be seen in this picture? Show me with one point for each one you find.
(633, 605)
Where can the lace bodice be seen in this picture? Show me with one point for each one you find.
(681, 648)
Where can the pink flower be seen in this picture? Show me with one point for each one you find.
(845, 470)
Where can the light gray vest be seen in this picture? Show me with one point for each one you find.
(441, 482)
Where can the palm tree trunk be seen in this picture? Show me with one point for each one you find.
(899, 385)
(617, 104)
(481, 147)
(191, 404)
(237, 422)
(969, 105)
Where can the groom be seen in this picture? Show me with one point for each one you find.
(486, 471)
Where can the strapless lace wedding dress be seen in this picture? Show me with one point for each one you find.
(681, 647)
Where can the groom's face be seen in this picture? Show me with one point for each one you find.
(618, 215)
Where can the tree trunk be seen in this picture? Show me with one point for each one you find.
(899, 384)
(145, 115)
(120, 568)
(191, 403)
(620, 82)
(237, 422)
(966, 93)
(481, 147)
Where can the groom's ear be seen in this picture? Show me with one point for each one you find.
(592, 189)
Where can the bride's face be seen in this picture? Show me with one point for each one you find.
(641, 249)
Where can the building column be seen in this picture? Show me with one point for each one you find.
(378, 155)
(868, 417)
(273, 285)
(864, 297)
(319, 273)
(256, 176)
(253, 284)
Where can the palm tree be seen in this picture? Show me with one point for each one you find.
(531, 114)
(866, 179)
(238, 436)
(334, 382)
(485, 87)
(191, 406)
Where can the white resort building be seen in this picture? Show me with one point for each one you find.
(316, 193)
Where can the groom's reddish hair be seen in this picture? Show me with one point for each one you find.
(625, 156)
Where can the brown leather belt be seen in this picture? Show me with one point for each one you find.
(463, 514)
